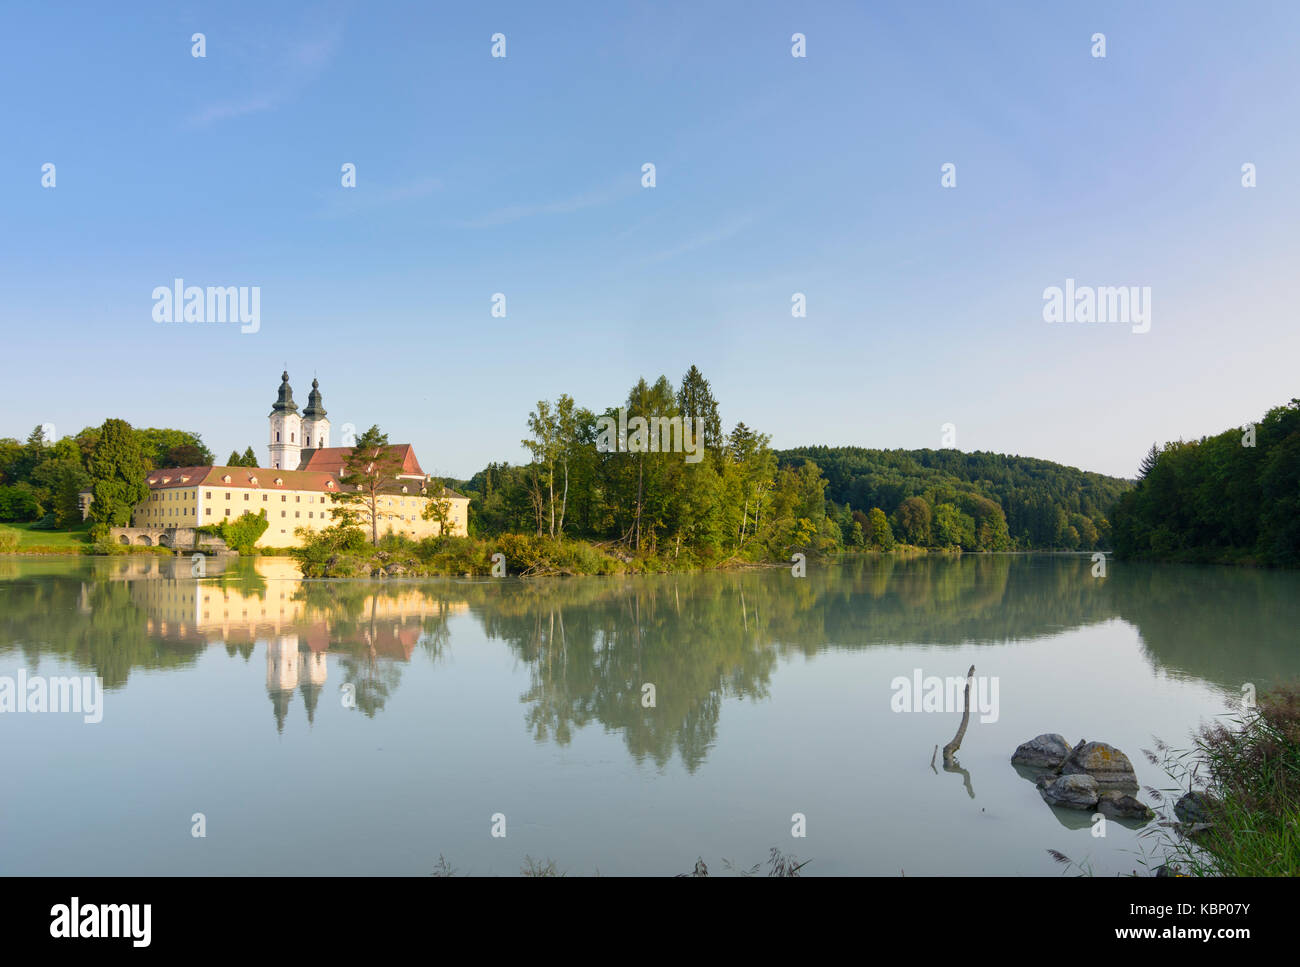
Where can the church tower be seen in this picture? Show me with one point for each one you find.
(286, 429)
(315, 428)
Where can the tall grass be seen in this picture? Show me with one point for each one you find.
(1250, 767)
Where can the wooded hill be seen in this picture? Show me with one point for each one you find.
(1045, 504)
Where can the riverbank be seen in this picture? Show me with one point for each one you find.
(1243, 816)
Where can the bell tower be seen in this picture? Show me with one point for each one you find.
(315, 427)
(286, 429)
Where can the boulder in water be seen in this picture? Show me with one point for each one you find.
(1046, 751)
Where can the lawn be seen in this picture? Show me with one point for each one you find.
(63, 541)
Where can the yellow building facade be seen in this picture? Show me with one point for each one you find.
(303, 497)
(290, 499)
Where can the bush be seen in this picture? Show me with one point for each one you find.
(8, 540)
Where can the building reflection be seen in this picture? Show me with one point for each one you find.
(265, 603)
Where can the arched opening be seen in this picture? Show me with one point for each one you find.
(124, 539)
(164, 540)
(144, 540)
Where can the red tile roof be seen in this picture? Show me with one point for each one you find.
(330, 459)
(253, 478)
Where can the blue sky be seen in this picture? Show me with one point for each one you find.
(775, 175)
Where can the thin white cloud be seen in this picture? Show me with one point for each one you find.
(302, 62)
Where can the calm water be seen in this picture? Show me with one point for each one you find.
(352, 727)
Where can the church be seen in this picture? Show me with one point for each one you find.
(294, 489)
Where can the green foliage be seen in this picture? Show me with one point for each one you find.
(730, 502)
(879, 534)
(247, 459)
(19, 502)
(9, 539)
(173, 448)
(41, 480)
(1217, 499)
(1013, 502)
(117, 471)
(369, 471)
(242, 533)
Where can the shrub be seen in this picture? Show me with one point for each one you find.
(8, 540)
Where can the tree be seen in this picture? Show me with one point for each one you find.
(369, 470)
(250, 458)
(881, 536)
(157, 444)
(438, 508)
(1148, 462)
(117, 473)
(914, 521)
(187, 455)
(243, 532)
(695, 401)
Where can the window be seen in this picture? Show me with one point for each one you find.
(283, 514)
(227, 511)
(310, 514)
(245, 496)
(227, 494)
(283, 498)
(277, 440)
(208, 495)
(290, 437)
(297, 513)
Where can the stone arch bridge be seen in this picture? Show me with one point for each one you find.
(178, 538)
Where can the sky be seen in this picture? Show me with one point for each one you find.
(774, 175)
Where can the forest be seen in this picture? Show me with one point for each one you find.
(978, 501)
(1229, 498)
(40, 478)
(746, 500)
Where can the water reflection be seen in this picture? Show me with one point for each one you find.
(590, 645)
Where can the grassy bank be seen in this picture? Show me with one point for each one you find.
(1250, 770)
(33, 541)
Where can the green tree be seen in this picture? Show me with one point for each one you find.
(243, 533)
(117, 473)
(914, 519)
(695, 401)
(369, 470)
(881, 535)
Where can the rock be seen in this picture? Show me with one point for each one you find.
(1104, 763)
(1120, 805)
(1046, 751)
(1196, 807)
(1168, 869)
(1073, 792)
